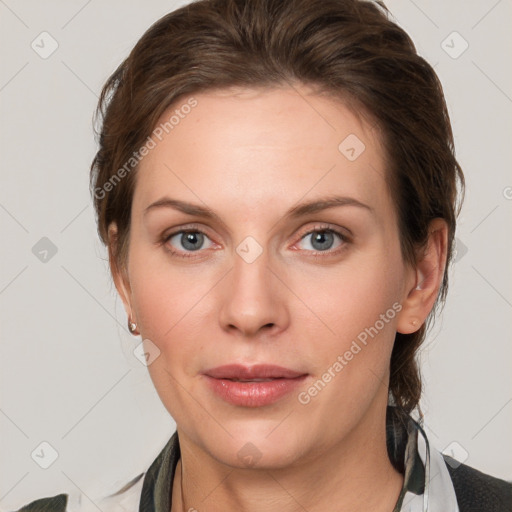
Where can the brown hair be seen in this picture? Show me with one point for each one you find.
(348, 48)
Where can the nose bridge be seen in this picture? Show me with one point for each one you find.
(251, 298)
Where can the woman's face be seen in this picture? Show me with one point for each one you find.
(250, 286)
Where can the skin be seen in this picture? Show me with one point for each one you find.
(250, 156)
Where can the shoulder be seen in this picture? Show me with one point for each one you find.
(477, 491)
(57, 503)
(126, 498)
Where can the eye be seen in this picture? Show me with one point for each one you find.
(322, 239)
(186, 241)
(318, 241)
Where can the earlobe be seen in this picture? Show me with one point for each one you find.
(428, 273)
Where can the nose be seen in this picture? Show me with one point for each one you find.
(253, 299)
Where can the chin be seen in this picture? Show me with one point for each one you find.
(258, 445)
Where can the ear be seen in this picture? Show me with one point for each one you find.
(425, 279)
(119, 273)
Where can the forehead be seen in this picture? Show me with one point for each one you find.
(249, 148)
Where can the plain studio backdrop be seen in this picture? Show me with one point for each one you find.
(69, 377)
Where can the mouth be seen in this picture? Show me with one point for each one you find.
(253, 386)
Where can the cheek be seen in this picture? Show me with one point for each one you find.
(171, 302)
(349, 298)
(359, 303)
(172, 315)
(161, 306)
(351, 363)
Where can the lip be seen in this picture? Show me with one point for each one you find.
(252, 394)
(257, 371)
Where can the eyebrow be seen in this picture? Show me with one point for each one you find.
(300, 210)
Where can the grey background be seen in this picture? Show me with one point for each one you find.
(68, 374)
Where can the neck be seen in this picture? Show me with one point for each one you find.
(355, 473)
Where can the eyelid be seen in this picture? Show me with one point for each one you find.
(184, 228)
(325, 226)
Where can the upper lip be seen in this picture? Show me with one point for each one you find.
(258, 371)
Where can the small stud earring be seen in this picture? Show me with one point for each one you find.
(132, 327)
(414, 322)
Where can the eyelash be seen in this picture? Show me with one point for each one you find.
(323, 228)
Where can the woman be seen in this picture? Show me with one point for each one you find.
(277, 188)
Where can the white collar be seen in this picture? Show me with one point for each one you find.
(439, 494)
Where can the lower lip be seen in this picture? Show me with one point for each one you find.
(253, 394)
